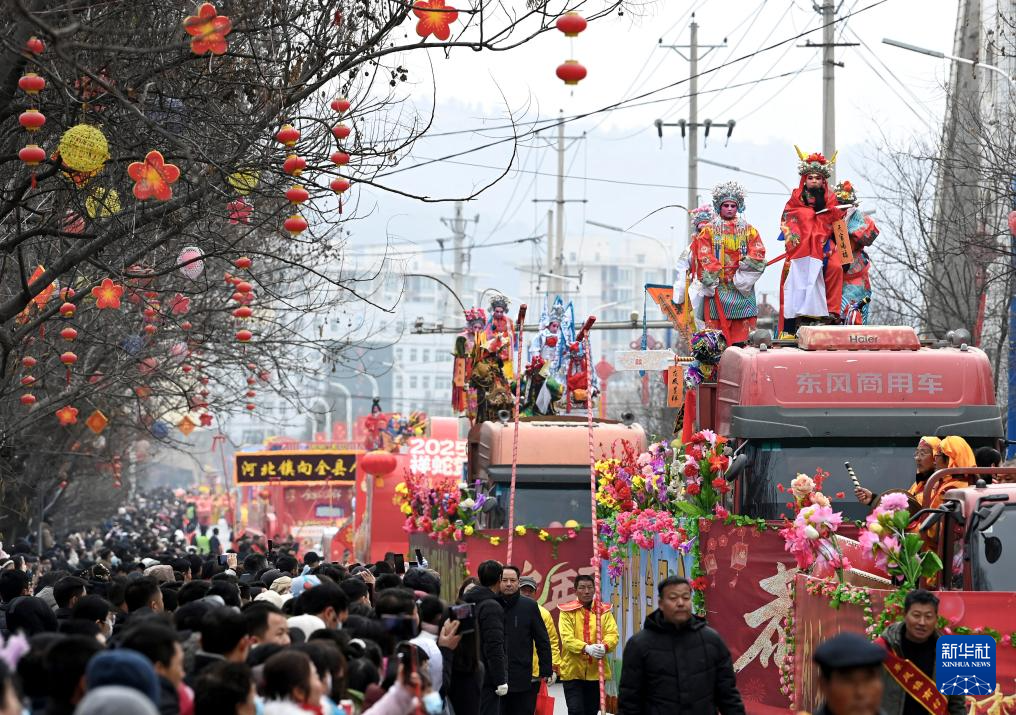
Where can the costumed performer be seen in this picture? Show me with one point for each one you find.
(549, 343)
(855, 304)
(727, 258)
(499, 335)
(812, 281)
(685, 283)
(464, 399)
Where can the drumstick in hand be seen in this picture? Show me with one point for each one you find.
(853, 477)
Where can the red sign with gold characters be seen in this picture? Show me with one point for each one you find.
(437, 457)
(295, 467)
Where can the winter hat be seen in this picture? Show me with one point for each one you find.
(123, 667)
(30, 615)
(115, 700)
(306, 624)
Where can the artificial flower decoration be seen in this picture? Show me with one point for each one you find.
(179, 304)
(435, 18)
(206, 420)
(107, 294)
(153, 176)
(67, 416)
(209, 30)
(239, 211)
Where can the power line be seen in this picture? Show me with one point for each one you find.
(512, 242)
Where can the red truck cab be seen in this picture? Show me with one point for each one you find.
(858, 394)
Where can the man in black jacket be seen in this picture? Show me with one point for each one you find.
(489, 616)
(523, 629)
(677, 664)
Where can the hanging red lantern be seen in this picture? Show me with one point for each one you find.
(186, 368)
(149, 313)
(340, 184)
(244, 336)
(203, 380)
(244, 287)
(251, 381)
(340, 105)
(68, 358)
(186, 325)
(150, 329)
(27, 380)
(1012, 222)
(337, 20)
(238, 297)
(243, 263)
(32, 119)
(243, 312)
(31, 83)
(251, 394)
(264, 494)
(35, 45)
(29, 362)
(33, 155)
(288, 135)
(251, 406)
(378, 463)
(295, 224)
(297, 195)
(341, 131)
(28, 399)
(67, 310)
(571, 72)
(294, 165)
(571, 24)
(69, 334)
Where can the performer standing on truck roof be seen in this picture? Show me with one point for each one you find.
(855, 303)
(812, 283)
(727, 258)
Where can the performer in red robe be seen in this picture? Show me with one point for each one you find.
(812, 286)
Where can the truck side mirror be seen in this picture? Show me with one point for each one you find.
(737, 465)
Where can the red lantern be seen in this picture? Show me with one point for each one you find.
(337, 20)
(203, 380)
(340, 105)
(186, 325)
(378, 463)
(571, 24)
(242, 263)
(32, 119)
(571, 72)
(35, 46)
(33, 155)
(288, 135)
(297, 195)
(243, 312)
(341, 131)
(67, 310)
(31, 83)
(27, 380)
(339, 158)
(295, 225)
(149, 313)
(150, 330)
(68, 333)
(340, 184)
(251, 406)
(29, 362)
(294, 165)
(251, 394)
(244, 336)
(251, 381)
(264, 494)
(264, 376)
(28, 399)
(244, 287)
(186, 368)
(68, 358)
(1012, 222)
(238, 297)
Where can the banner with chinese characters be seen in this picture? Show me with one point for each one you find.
(748, 594)
(295, 467)
(437, 457)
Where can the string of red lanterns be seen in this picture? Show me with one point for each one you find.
(571, 25)
(32, 120)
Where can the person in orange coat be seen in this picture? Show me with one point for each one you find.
(585, 640)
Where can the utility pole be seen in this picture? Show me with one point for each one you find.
(829, 64)
(555, 240)
(692, 124)
(457, 225)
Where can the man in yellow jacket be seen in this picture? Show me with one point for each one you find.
(527, 587)
(585, 640)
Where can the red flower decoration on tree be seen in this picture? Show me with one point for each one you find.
(67, 416)
(153, 176)
(239, 211)
(435, 18)
(209, 30)
(206, 419)
(107, 294)
(179, 304)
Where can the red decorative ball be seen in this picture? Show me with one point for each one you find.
(68, 333)
(28, 399)
(251, 394)
(35, 46)
(243, 312)
(244, 287)
(294, 165)
(32, 119)
(297, 195)
(288, 135)
(244, 336)
(186, 325)
(339, 158)
(29, 380)
(251, 406)
(67, 310)
(340, 105)
(340, 184)
(295, 224)
(68, 358)
(571, 72)
(243, 263)
(150, 330)
(341, 131)
(29, 362)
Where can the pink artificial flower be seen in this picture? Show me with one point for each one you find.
(868, 540)
(720, 512)
(893, 502)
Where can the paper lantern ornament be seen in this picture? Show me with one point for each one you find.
(32, 155)
(35, 45)
(186, 426)
(83, 148)
(32, 119)
(97, 422)
(294, 165)
(190, 262)
(107, 295)
(288, 135)
(571, 72)
(208, 29)
(340, 105)
(102, 203)
(179, 304)
(1012, 222)
(295, 224)
(571, 24)
(243, 182)
(239, 211)
(435, 18)
(153, 176)
(31, 83)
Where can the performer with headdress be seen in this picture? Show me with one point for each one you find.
(727, 258)
(542, 389)
(699, 217)
(499, 335)
(856, 299)
(463, 398)
(549, 343)
(812, 286)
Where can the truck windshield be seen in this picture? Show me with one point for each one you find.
(539, 506)
(991, 569)
(880, 465)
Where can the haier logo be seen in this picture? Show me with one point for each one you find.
(866, 339)
(965, 665)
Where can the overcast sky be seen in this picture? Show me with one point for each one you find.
(620, 168)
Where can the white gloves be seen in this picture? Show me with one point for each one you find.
(501, 690)
(596, 650)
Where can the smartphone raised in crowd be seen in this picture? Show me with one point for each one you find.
(464, 614)
(400, 564)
